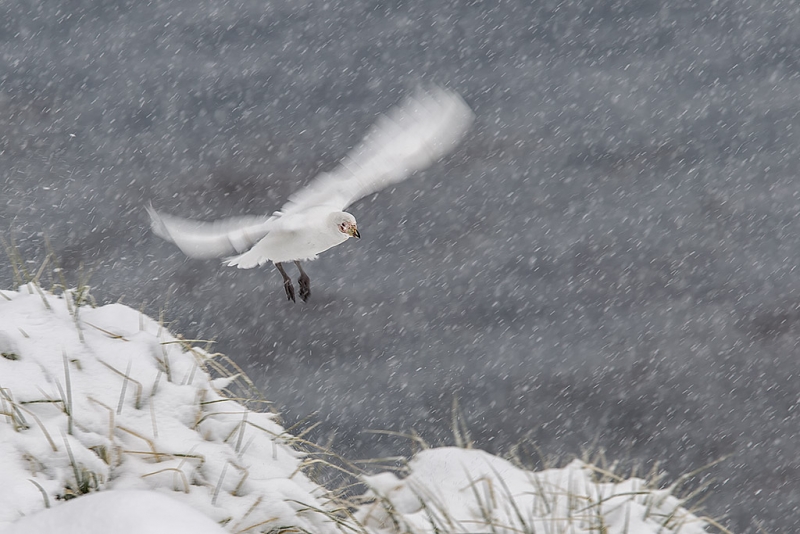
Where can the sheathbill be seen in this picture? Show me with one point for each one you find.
(414, 134)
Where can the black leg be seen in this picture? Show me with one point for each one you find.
(287, 282)
(305, 283)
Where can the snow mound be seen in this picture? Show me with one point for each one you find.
(120, 512)
(105, 398)
(464, 490)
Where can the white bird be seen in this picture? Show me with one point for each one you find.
(410, 137)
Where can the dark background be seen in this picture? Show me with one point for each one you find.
(608, 261)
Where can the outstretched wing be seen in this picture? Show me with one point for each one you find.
(210, 239)
(410, 137)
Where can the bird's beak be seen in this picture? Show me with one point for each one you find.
(355, 233)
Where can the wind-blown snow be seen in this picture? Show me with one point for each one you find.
(106, 399)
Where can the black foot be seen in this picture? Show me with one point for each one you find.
(287, 285)
(305, 287)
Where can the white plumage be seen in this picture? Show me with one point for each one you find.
(410, 137)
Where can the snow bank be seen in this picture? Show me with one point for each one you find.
(114, 401)
(462, 490)
(118, 512)
(106, 399)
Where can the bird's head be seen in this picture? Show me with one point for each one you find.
(346, 224)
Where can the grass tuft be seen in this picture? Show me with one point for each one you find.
(86, 481)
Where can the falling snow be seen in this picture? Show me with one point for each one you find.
(606, 262)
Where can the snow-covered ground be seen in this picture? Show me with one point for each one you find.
(120, 512)
(107, 398)
(110, 423)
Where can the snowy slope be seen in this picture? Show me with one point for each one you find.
(74, 423)
(463, 490)
(120, 512)
(98, 399)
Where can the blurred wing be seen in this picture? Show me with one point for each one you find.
(410, 137)
(210, 239)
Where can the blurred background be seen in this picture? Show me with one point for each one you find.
(606, 263)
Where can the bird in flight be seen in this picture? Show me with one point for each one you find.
(418, 131)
